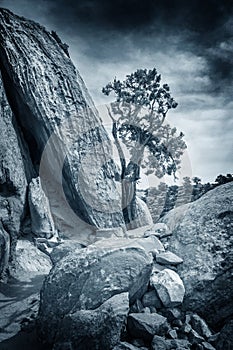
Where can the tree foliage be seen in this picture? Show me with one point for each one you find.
(138, 116)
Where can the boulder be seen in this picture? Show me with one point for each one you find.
(200, 326)
(180, 344)
(145, 326)
(169, 287)
(137, 306)
(202, 237)
(168, 258)
(172, 314)
(195, 338)
(86, 278)
(68, 144)
(30, 259)
(42, 223)
(207, 346)
(95, 329)
(160, 343)
(151, 298)
(142, 216)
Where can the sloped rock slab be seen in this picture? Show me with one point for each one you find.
(202, 236)
(66, 138)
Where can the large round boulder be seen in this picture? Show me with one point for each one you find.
(87, 278)
(202, 237)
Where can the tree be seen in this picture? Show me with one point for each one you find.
(196, 180)
(185, 192)
(222, 179)
(138, 120)
(156, 200)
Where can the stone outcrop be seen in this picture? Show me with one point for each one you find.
(67, 142)
(202, 237)
(13, 176)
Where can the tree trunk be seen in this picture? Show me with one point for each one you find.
(128, 185)
(128, 200)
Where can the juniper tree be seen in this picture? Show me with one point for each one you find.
(139, 122)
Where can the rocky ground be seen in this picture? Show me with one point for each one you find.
(19, 298)
(126, 293)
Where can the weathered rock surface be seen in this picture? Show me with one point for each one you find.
(13, 176)
(169, 287)
(149, 244)
(96, 329)
(142, 216)
(125, 346)
(168, 258)
(159, 229)
(225, 339)
(4, 250)
(30, 259)
(200, 326)
(64, 249)
(202, 237)
(151, 298)
(42, 224)
(145, 326)
(86, 278)
(159, 343)
(58, 118)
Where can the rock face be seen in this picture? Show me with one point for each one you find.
(13, 176)
(68, 144)
(4, 250)
(202, 237)
(42, 223)
(86, 278)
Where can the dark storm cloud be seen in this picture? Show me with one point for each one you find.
(203, 27)
(189, 42)
(197, 15)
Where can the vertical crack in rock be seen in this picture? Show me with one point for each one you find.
(68, 144)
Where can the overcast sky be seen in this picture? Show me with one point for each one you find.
(189, 42)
